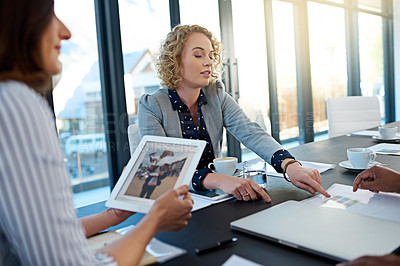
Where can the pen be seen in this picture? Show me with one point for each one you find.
(216, 246)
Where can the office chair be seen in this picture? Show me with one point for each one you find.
(352, 113)
(133, 137)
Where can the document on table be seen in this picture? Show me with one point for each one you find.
(156, 250)
(237, 260)
(321, 167)
(364, 133)
(386, 149)
(201, 202)
(367, 133)
(380, 205)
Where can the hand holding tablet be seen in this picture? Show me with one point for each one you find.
(158, 165)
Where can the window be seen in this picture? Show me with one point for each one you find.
(371, 57)
(251, 48)
(327, 58)
(285, 60)
(143, 25)
(372, 5)
(205, 14)
(77, 102)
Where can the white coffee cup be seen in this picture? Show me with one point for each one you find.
(387, 132)
(360, 158)
(223, 165)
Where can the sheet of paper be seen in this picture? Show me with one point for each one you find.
(365, 133)
(368, 133)
(156, 250)
(202, 202)
(386, 148)
(235, 260)
(380, 205)
(321, 167)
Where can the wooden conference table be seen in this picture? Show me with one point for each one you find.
(212, 224)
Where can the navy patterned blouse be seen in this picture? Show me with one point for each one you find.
(199, 131)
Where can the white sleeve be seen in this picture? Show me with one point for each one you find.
(37, 216)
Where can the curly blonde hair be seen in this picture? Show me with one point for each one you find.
(167, 62)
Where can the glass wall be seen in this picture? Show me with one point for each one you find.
(327, 58)
(371, 57)
(251, 58)
(143, 25)
(204, 13)
(285, 61)
(78, 102)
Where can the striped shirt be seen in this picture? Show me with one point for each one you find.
(38, 223)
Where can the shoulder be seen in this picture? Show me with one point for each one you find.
(156, 98)
(18, 99)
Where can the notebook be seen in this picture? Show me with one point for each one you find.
(334, 233)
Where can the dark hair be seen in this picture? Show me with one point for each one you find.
(22, 23)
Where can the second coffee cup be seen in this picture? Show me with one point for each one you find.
(223, 165)
(360, 158)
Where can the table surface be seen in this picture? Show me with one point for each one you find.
(212, 224)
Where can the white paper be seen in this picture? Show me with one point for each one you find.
(200, 202)
(380, 205)
(163, 251)
(160, 250)
(368, 133)
(321, 167)
(386, 148)
(236, 260)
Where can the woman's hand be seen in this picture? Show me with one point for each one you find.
(171, 211)
(241, 188)
(305, 178)
(387, 260)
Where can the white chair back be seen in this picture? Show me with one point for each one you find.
(352, 113)
(133, 137)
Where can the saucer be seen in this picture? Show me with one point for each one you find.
(379, 138)
(348, 166)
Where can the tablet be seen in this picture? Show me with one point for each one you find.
(158, 165)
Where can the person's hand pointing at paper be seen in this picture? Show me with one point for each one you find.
(375, 179)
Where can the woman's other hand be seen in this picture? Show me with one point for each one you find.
(241, 188)
(171, 210)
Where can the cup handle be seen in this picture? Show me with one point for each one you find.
(211, 167)
(372, 157)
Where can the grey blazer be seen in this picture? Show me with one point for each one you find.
(156, 117)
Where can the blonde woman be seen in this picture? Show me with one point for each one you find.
(194, 105)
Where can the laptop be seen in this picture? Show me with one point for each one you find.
(333, 233)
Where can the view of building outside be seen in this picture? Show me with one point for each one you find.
(371, 57)
(77, 98)
(143, 25)
(327, 58)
